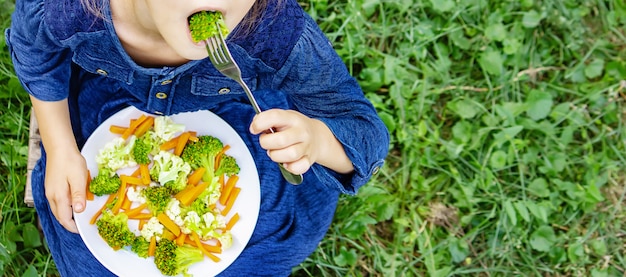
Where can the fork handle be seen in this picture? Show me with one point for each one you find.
(251, 98)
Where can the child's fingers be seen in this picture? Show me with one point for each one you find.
(274, 118)
(62, 211)
(78, 192)
(300, 166)
(65, 217)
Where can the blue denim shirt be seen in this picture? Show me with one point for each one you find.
(60, 51)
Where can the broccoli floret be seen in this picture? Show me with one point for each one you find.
(202, 25)
(149, 143)
(157, 198)
(170, 171)
(141, 151)
(106, 182)
(202, 153)
(228, 165)
(140, 246)
(172, 259)
(114, 229)
(198, 206)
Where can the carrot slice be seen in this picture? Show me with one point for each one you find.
(231, 200)
(191, 195)
(168, 235)
(152, 246)
(121, 194)
(169, 224)
(99, 212)
(180, 240)
(88, 194)
(213, 248)
(194, 178)
(144, 126)
(183, 192)
(133, 126)
(226, 191)
(136, 173)
(119, 130)
(137, 210)
(170, 144)
(145, 174)
(180, 144)
(200, 246)
(126, 204)
(140, 216)
(232, 221)
(142, 222)
(217, 248)
(132, 180)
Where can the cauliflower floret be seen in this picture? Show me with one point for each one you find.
(152, 228)
(134, 195)
(116, 154)
(211, 195)
(192, 221)
(165, 128)
(170, 171)
(225, 239)
(173, 211)
(214, 221)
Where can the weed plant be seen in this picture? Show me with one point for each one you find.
(508, 141)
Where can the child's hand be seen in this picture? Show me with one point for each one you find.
(66, 176)
(299, 141)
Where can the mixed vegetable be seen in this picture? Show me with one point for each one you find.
(180, 194)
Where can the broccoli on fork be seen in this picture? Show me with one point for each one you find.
(203, 25)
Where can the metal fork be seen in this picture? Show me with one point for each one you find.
(222, 60)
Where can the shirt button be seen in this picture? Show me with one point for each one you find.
(161, 95)
(166, 82)
(102, 72)
(376, 169)
(223, 91)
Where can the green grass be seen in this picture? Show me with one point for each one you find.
(508, 141)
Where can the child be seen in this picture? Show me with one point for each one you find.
(81, 62)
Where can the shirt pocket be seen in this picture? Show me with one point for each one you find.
(103, 67)
(208, 85)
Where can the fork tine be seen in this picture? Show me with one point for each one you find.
(211, 45)
(219, 50)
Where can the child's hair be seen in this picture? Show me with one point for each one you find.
(245, 27)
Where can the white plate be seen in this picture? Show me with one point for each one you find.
(126, 263)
